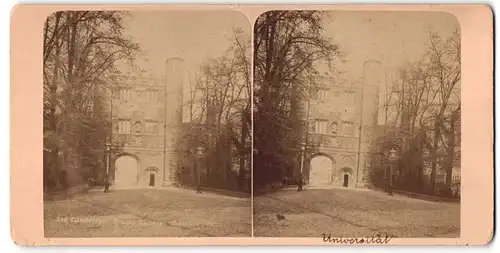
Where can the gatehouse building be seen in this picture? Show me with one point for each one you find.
(341, 118)
(146, 121)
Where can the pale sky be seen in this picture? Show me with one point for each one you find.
(194, 36)
(393, 38)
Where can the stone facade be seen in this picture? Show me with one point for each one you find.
(152, 146)
(335, 130)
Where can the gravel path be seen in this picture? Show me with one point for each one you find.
(352, 213)
(148, 213)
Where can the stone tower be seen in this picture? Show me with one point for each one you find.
(298, 107)
(173, 116)
(372, 79)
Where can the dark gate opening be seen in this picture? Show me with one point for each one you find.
(346, 181)
(151, 179)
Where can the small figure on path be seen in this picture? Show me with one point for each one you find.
(198, 182)
(301, 182)
(106, 184)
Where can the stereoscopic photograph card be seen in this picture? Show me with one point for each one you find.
(252, 125)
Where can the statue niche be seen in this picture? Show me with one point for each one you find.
(334, 128)
(137, 127)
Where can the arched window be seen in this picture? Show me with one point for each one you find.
(151, 127)
(319, 94)
(123, 126)
(323, 95)
(137, 127)
(124, 94)
(321, 126)
(313, 93)
(348, 128)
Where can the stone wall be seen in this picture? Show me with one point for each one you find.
(341, 108)
(147, 121)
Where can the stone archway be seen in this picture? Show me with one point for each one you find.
(321, 170)
(127, 168)
(346, 177)
(152, 177)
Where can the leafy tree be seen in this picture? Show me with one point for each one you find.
(80, 56)
(288, 47)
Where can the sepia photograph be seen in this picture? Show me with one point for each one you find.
(357, 118)
(147, 124)
(289, 125)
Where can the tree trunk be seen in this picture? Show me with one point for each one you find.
(451, 151)
(420, 162)
(241, 175)
(71, 45)
(55, 167)
(437, 133)
(53, 90)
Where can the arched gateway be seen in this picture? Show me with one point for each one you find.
(152, 177)
(346, 176)
(126, 171)
(322, 169)
(147, 127)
